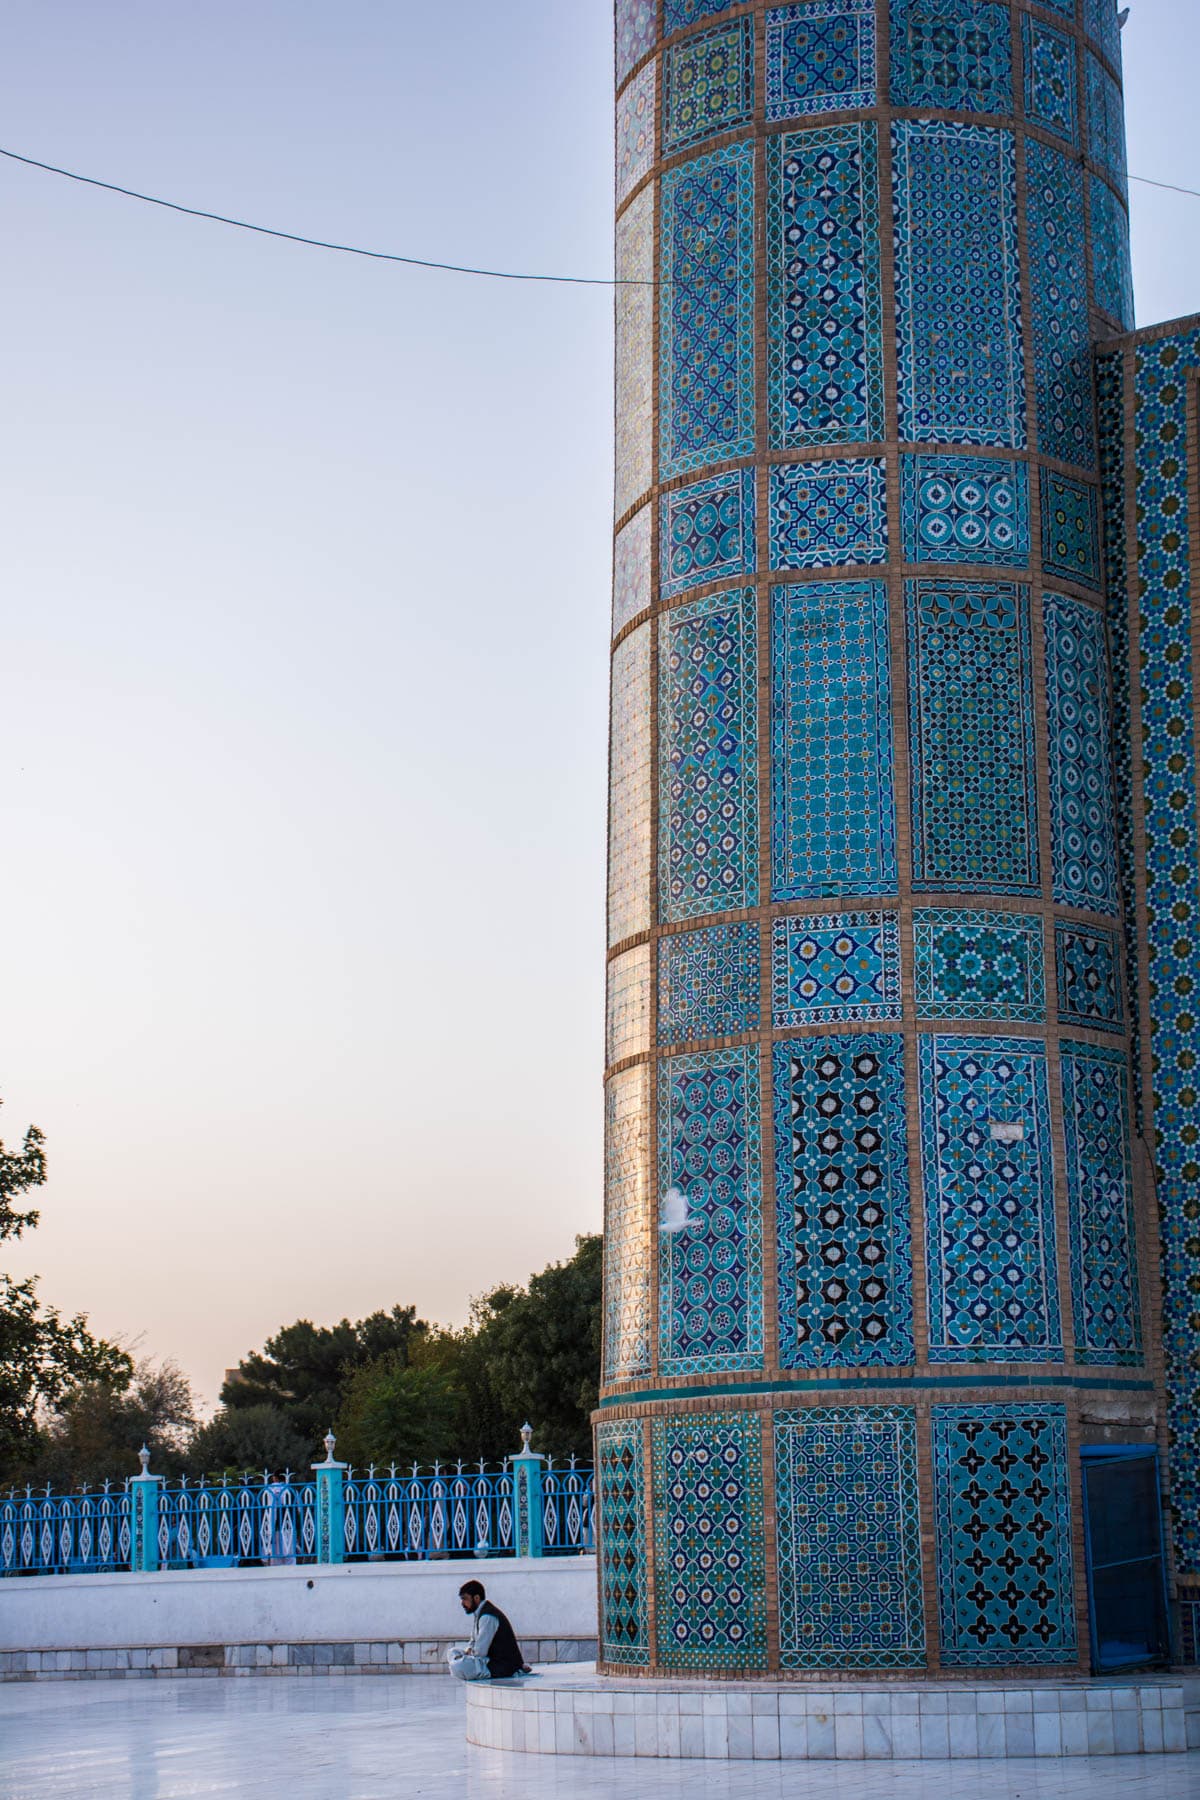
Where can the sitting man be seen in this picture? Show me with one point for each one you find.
(493, 1653)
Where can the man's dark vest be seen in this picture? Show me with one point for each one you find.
(504, 1656)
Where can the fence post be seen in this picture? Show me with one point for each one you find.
(331, 1506)
(527, 1497)
(143, 1508)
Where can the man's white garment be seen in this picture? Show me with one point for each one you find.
(468, 1662)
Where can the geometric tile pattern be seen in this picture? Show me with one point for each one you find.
(621, 1485)
(820, 58)
(635, 131)
(1102, 23)
(1070, 529)
(1112, 274)
(710, 1272)
(630, 850)
(824, 306)
(1050, 84)
(842, 1202)
(971, 737)
(978, 965)
(708, 761)
(707, 386)
(1089, 977)
(824, 515)
(849, 1532)
(1059, 306)
(838, 966)
(1104, 1283)
(631, 568)
(707, 531)
(957, 284)
(635, 33)
(628, 1032)
(1079, 737)
(1106, 121)
(709, 85)
(635, 349)
(1002, 1506)
(678, 14)
(709, 1595)
(832, 806)
(989, 1201)
(708, 983)
(627, 1224)
(955, 55)
(965, 509)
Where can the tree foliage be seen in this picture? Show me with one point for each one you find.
(96, 1433)
(255, 1438)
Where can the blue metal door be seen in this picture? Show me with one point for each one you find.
(1127, 1596)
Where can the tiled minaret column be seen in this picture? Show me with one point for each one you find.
(866, 1031)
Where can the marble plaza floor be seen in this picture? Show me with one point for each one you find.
(274, 1739)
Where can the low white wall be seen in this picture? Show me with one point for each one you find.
(551, 1597)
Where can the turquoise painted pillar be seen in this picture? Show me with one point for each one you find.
(331, 1506)
(144, 1497)
(527, 1497)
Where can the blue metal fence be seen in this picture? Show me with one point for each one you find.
(335, 1514)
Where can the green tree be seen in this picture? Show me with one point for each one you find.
(97, 1431)
(301, 1371)
(393, 1412)
(43, 1357)
(542, 1349)
(241, 1438)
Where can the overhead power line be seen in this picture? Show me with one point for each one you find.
(413, 262)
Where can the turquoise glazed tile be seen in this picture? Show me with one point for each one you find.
(710, 1558)
(1079, 731)
(835, 966)
(621, 1491)
(965, 509)
(978, 965)
(1050, 79)
(1104, 1279)
(820, 58)
(706, 532)
(953, 55)
(708, 983)
(828, 515)
(1089, 977)
(708, 85)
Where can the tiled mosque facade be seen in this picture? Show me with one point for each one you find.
(873, 870)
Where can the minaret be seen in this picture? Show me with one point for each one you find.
(880, 1265)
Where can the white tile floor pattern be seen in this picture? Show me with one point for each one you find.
(326, 1740)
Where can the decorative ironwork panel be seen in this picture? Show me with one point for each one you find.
(1079, 726)
(978, 965)
(824, 304)
(708, 983)
(820, 58)
(1104, 1278)
(842, 1202)
(988, 1172)
(710, 1603)
(1002, 1509)
(958, 283)
(709, 1145)
(837, 966)
(624, 1621)
(849, 1536)
(965, 509)
(827, 515)
(832, 766)
(707, 531)
(627, 1224)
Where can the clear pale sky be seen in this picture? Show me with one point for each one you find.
(306, 566)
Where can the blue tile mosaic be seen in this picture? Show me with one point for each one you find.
(1104, 1280)
(955, 55)
(978, 965)
(710, 1272)
(957, 284)
(1059, 305)
(708, 85)
(706, 531)
(1070, 529)
(635, 131)
(707, 325)
(1112, 271)
(1102, 24)
(710, 1558)
(635, 350)
(1050, 79)
(626, 1223)
(965, 509)
(708, 756)
(1064, 7)
(971, 737)
(848, 1517)
(1089, 977)
(1106, 121)
(820, 58)
(631, 569)
(988, 1169)
(1079, 733)
(828, 515)
(635, 33)
(708, 983)
(679, 14)
(842, 1202)
(824, 304)
(1002, 1511)
(833, 823)
(835, 966)
(621, 1484)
